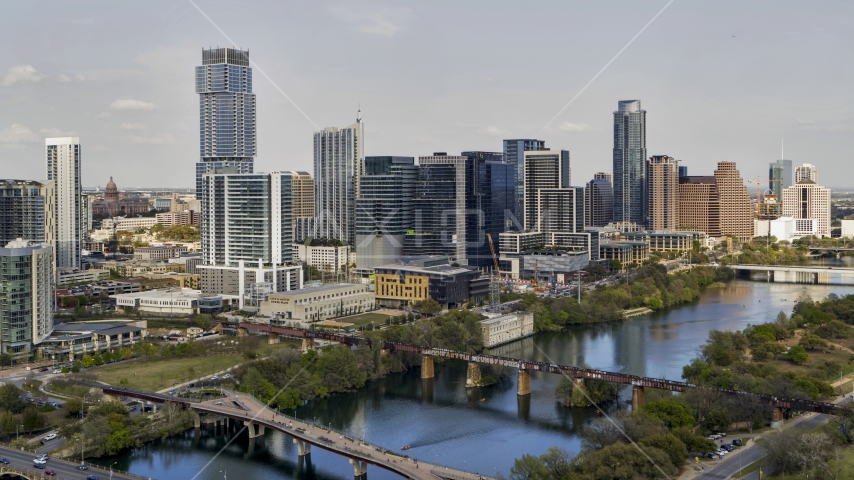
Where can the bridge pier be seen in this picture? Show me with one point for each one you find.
(523, 383)
(255, 429)
(197, 420)
(777, 418)
(303, 448)
(427, 366)
(307, 344)
(638, 398)
(473, 375)
(359, 467)
(273, 338)
(427, 385)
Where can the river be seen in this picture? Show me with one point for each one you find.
(444, 423)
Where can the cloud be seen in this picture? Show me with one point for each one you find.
(105, 115)
(386, 21)
(17, 133)
(491, 130)
(574, 127)
(55, 132)
(63, 78)
(22, 74)
(79, 77)
(153, 139)
(134, 126)
(130, 104)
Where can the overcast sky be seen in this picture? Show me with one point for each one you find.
(720, 80)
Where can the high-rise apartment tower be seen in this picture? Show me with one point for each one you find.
(227, 132)
(662, 178)
(629, 162)
(63, 168)
(514, 154)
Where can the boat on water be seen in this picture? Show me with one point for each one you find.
(406, 448)
(483, 399)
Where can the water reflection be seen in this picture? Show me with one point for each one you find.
(446, 423)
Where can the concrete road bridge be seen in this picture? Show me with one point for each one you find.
(524, 367)
(255, 417)
(792, 268)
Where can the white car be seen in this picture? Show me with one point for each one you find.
(215, 377)
(721, 452)
(227, 375)
(56, 370)
(49, 437)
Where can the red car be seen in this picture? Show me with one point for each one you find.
(50, 473)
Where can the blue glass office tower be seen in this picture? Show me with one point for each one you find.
(780, 177)
(226, 113)
(630, 162)
(514, 154)
(489, 198)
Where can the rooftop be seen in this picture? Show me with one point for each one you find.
(334, 287)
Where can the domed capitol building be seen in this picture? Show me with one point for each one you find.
(119, 204)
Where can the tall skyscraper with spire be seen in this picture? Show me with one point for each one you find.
(339, 163)
(630, 202)
(226, 113)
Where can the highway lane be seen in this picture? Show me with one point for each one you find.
(63, 469)
(754, 454)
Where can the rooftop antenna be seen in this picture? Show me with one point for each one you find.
(359, 114)
(782, 156)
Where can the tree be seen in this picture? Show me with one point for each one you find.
(8, 423)
(5, 360)
(813, 342)
(694, 443)
(798, 354)
(107, 356)
(10, 398)
(669, 444)
(98, 360)
(73, 406)
(558, 462)
(529, 467)
(601, 432)
(428, 306)
(674, 414)
(87, 361)
(718, 420)
(834, 329)
(32, 419)
(623, 462)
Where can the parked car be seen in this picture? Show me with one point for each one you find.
(737, 442)
(712, 456)
(728, 448)
(147, 408)
(215, 377)
(57, 370)
(44, 369)
(191, 385)
(227, 375)
(172, 392)
(721, 434)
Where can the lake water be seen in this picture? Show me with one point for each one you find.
(445, 423)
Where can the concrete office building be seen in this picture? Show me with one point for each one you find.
(339, 161)
(604, 176)
(245, 279)
(662, 180)
(328, 258)
(514, 154)
(302, 195)
(246, 217)
(227, 131)
(598, 203)
(629, 162)
(501, 329)
(27, 211)
(806, 200)
(316, 304)
(413, 279)
(384, 209)
(63, 168)
(779, 177)
(717, 205)
(187, 217)
(26, 295)
(806, 173)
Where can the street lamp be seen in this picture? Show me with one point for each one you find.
(17, 435)
(111, 470)
(224, 474)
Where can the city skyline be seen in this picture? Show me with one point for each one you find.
(139, 93)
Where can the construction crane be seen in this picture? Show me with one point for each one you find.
(535, 280)
(758, 181)
(494, 292)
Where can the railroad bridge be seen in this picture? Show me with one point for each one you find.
(524, 367)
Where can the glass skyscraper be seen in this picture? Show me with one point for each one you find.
(780, 177)
(490, 188)
(226, 113)
(384, 209)
(630, 202)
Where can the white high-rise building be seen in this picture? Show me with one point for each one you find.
(248, 217)
(63, 168)
(26, 295)
(808, 201)
(339, 162)
(806, 173)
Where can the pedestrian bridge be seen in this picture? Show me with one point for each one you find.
(792, 268)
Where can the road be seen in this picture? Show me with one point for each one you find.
(63, 469)
(750, 455)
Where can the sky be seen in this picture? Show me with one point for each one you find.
(720, 80)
